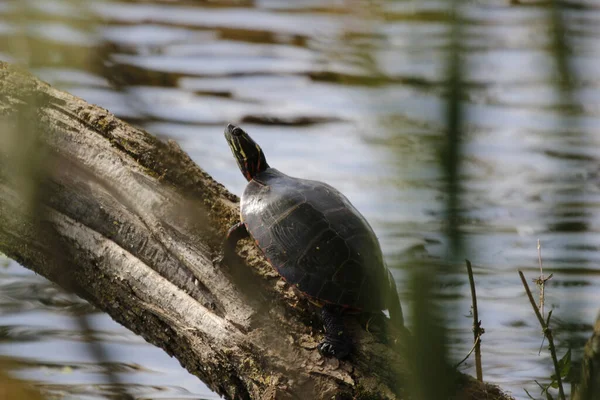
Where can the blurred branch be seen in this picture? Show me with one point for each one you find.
(136, 224)
(14, 389)
(454, 125)
(561, 50)
(589, 384)
(100, 356)
(428, 352)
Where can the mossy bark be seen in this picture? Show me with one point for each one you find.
(131, 224)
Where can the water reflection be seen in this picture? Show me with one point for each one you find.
(354, 96)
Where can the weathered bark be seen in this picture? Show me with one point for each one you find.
(131, 224)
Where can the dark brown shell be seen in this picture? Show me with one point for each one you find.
(316, 240)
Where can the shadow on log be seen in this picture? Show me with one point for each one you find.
(132, 225)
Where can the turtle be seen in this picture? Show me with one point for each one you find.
(315, 239)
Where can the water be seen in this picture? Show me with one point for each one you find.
(350, 93)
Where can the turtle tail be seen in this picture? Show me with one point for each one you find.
(394, 306)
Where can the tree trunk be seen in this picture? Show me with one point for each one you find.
(131, 224)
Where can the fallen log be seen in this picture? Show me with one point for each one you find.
(132, 225)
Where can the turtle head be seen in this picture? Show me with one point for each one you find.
(248, 154)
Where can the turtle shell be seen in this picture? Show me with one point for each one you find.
(316, 240)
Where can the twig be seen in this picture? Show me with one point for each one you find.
(541, 283)
(547, 334)
(477, 329)
(468, 354)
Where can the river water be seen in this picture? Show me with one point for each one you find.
(351, 93)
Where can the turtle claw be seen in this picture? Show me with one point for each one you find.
(336, 344)
(326, 349)
(219, 260)
(337, 350)
(225, 261)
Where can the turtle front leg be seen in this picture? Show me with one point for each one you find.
(337, 343)
(234, 235)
